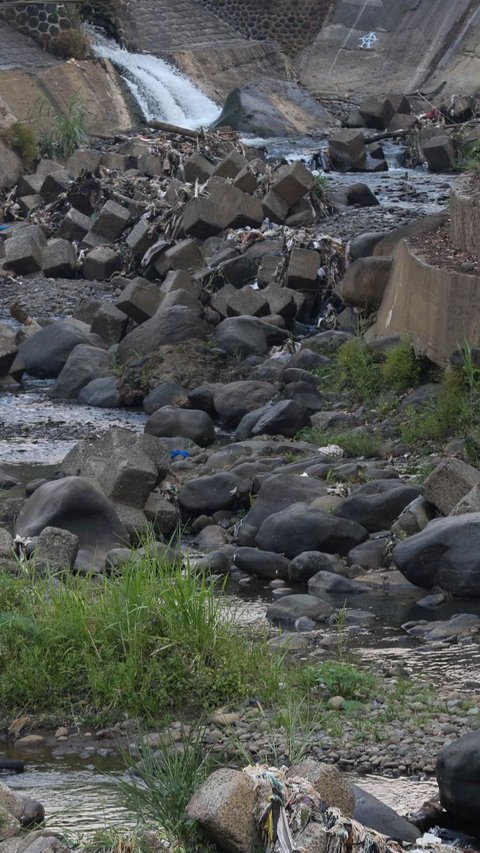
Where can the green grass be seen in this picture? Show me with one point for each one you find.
(368, 373)
(164, 782)
(149, 642)
(454, 412)
(355, 442)
(22, 139)
(67, 130)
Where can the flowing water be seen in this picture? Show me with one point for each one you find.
(161, 91)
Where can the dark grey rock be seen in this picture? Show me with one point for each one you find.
(309, 563)
(188, 423)
(445, 554)
(262, 563)
(458, 777)
(209, 494)
(377, 511)
(77, 505)
(303, 527)
(374, 814)
(287, 610)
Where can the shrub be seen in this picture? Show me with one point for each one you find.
(22, 139)
(67, 130)
(71, 44)
(455, 411)
(360, 369)
(342, 679)
(401, 368)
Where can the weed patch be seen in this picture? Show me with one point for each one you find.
(21, 138)
(355, 442)
(152, 641)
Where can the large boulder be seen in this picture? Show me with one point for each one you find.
(378, 504)
(45, 353)
(445, 554)
(274, 107)
(458, 777)
(169, 326)
(276, 493)
(242, 336)
(328, 782)
(209, 494)
(287, 610)
(234, 400)
(75, 504)
(364, 282)
(187, 423)
(84, 364)
(127, 465)
(449, 482)
(24, 809)
(302, 527)
(265, 564)
(285, 417)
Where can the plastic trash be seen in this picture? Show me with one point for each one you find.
(184, 454)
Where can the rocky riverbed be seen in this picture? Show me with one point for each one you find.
(170, 340)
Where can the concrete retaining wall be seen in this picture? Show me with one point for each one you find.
(291, 24)
(437, 309)
(465, 217)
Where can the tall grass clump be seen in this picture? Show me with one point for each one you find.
(22, 139)
(368, 373)
(163, 782)
(153, 640)
(456, 409)
(67, 130)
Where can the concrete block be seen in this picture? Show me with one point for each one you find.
(23, 253)
(59, 259)
(247, 302)
(303, 269)
(293, 182)
(203, 217)
(109, 323)
(275, 208)
(231, 165)
(74, 225)
(54, 185)
(197, 168)
(140, 238)
(111, 221)
(184, 255)
(101, 263)
(139, 300)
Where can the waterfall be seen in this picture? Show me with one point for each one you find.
(161, 91)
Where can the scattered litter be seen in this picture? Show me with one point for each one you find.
(287, 805)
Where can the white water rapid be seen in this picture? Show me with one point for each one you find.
(161, 91)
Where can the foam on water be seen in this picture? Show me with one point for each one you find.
(161, 91)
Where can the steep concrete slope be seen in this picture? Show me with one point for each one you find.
(166, 25)
(371, 46)
(216, 56)
(17, 51)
